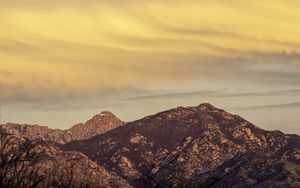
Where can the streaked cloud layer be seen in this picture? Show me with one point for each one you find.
(62, 48)
(68, 50)
(274, 106)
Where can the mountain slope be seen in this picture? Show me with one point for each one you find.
(196, 146)
(38, 163)
(99, 124)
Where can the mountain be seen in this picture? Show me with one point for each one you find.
(200, 146)
(99, 124)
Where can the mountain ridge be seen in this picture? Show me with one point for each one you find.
(98, 124)
(200, 146)
(155, 150)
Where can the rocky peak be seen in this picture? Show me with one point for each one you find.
(106, 113)
(206, 106)
(99, 124)
(102, 117)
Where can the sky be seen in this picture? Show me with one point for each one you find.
(62, 61)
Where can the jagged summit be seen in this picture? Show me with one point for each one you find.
(202, 106)
(204, 110)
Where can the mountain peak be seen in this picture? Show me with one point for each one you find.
(99, 124)
(202, 107)
(207, 105)
(106, 113)
(103, 117)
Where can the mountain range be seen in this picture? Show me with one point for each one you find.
(200, 146)
(99, 124)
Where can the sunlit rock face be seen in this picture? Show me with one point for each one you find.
(99, 124)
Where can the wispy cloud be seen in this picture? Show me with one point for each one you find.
(174, 95)
(81, 49)
(271, 107)
(215, 94)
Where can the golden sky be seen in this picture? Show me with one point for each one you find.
(62, 49)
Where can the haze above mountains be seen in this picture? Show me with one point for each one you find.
(181, 147)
